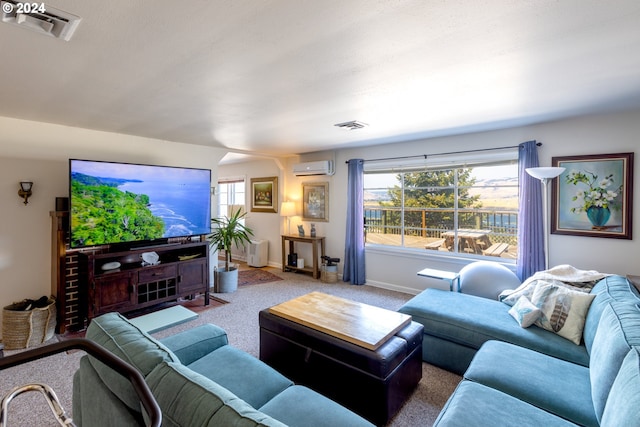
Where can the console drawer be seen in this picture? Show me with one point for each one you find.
(152, 274)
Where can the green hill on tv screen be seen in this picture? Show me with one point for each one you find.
(101, 213)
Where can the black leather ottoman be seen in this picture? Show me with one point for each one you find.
(373, 384)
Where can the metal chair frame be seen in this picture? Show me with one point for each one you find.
(123, 368)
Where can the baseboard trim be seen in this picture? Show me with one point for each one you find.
(393, 287)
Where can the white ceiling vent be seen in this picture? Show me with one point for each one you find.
(41, 18)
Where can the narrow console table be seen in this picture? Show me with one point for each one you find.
(314, 269)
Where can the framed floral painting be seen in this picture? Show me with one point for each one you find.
(593, 196)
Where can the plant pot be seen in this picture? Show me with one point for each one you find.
(226, 281)
(598, 216)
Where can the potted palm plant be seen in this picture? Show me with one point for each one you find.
(226, 232)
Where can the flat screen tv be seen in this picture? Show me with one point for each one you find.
(113, 203)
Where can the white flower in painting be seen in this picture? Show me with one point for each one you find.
(605, 183)
(596, 193)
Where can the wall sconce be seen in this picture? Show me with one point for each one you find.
(25, 190)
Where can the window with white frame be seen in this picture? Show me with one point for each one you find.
(464, 204)
(231, 196)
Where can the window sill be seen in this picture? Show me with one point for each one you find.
(436, 256)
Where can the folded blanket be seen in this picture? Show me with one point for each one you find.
(561, 275)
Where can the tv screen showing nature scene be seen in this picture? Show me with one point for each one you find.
(121, 202)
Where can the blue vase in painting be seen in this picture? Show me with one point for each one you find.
(598, 216)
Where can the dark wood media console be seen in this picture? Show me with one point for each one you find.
(183, 271)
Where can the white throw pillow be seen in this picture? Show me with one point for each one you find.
(563, 310)
(525, 312)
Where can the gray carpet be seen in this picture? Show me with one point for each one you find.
(240, 320)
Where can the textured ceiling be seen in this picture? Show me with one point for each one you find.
(274, 76)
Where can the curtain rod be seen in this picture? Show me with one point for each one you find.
(424, 156)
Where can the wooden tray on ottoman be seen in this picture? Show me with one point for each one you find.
(323, 342)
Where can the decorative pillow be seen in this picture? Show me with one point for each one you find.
(525, 312)
(563, 310)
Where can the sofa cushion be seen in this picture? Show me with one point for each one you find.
(300, 406)
(114, 332)
(616, 288)
(471, 321)
(94, 404)
(563, 310)
(250, 379)
(192, 344)
(537, 379)
(623, 404)
(618, 331)
(472, 402)
(189, 399)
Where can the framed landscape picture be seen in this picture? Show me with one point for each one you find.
(315, 201)
(264, 194)
(593, 196)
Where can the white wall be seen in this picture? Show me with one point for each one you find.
(39, 152)
(600, 134)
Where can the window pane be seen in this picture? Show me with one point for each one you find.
(462, 210)
(230, 193)
(382, 218)
(496, 192)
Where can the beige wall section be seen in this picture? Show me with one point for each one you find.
(266, 225)
(39, 152)
(270, 226)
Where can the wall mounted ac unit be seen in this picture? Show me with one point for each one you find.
(258, 253)
(323, 167)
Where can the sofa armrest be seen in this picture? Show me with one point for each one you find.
(195, 343)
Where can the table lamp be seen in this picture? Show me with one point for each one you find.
(288, 209)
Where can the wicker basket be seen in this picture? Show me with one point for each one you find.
(27, 328)
(329, 273)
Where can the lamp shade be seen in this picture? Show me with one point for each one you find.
(287, 209)
(545, 172)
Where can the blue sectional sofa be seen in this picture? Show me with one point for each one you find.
(514, 376)
(198, 379)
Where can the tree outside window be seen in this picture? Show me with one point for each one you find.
(457, 210)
